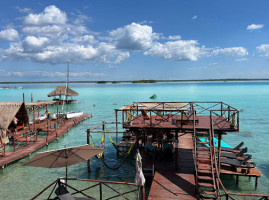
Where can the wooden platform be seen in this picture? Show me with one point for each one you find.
(169, 184)
(13, 156)
(175, 122)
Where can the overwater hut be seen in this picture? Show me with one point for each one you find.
(8, 112)
(63, 91)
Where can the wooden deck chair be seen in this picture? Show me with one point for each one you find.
(232, 149)
(145, 115)
(234, 155)
(236, 163)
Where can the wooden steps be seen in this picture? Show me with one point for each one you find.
(204, 166)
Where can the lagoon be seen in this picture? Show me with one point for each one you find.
(251, 98)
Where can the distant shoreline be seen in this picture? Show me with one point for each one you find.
(136, 81)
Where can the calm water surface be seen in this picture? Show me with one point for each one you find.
(252, 98)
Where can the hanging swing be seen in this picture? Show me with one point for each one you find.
(124, 152)
(102, 157)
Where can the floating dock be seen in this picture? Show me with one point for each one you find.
(32, 147)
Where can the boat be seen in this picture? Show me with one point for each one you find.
(19, 87)
(154, 96)
(6, 87)
(70, 115)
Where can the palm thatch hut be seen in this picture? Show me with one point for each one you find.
(63, 91)
(8, 111)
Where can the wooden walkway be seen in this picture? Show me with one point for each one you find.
(13, 156)
(168, 184)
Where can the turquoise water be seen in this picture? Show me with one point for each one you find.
(249, 97)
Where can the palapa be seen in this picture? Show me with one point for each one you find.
(62, 91)
(9, 110)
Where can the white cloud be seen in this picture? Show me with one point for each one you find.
(241, 59)
(194, 17)
(49, 74)
(86, 39)
(232, 51)
(51, 15)
(255, 27)
(32, 44)
(264, 50)
(174, 37)
(180, 50)
(133, 37)
(9, 34)
(23, 10)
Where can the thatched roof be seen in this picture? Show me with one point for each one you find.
(61, 90)
(40, 103)
(9, 110)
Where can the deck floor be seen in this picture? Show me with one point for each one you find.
(169, 184)
(13, 156)
(202, 122)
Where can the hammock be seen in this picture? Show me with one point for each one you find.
(102, 158)
(119, 165)
(102, 145)
(121, 151)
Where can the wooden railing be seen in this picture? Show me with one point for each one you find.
(99, 185)
(227, 195)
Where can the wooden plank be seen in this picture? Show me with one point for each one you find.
(168, 184)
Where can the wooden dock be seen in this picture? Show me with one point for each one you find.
(169, 184)
(53, 135)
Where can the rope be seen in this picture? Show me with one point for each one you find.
(121, 151)
(127, 154)
(119, 165)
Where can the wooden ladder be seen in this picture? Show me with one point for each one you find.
(205, 165)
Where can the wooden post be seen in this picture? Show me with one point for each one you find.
(143, 192)
(137, 140)
(47, 119)
(238, 121)
(221, 108)
(256, 182)
(103, 155)
(122, 118)
(101, 193)
(38, 111)
(117, 138)
(219, 150)
(57, 117)
(34, 116)
(176, 151)
(23, 99)
(88, 142)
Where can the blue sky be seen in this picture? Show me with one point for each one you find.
(131, 40)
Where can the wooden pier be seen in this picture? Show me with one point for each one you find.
(194, 172)
(30, 148)
(180, 184)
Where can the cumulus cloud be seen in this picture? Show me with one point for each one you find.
(254, 27)
(49, 37)
(133, 37)
(9, 34)
(181, 50)
(264, 50)
(232, 51)
(51, 15)
(32, 44)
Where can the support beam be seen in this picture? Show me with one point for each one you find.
(176, 150)
(88, 142)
